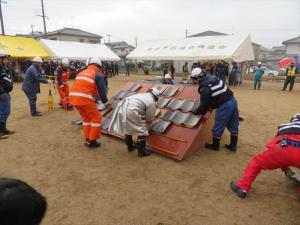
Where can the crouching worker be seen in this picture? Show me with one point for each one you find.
(131, 116)
(282, 152)
(215, 94)
(86, 85)
(62, 85)
(20, 204)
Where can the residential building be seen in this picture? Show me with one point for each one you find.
(292, 46)
(122, 49)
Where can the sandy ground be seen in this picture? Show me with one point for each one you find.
(110, 186)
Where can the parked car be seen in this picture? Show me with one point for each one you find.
(268, 72)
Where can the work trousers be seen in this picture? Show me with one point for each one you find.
(91, 121)
(289, 80)
(4, 107)
(257, 82)
(274, 157)
(32, 102)
(63, 93)
(227, 116)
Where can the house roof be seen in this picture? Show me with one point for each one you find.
(35, 34)
(278, 48)
(293, 40)
(118, 44)
(73, 31)
(207, 33)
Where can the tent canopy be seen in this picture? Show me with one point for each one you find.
(227, 47)
(21, 47)
(78, 50)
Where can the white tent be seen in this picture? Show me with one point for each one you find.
(227, 47)
(78, 50)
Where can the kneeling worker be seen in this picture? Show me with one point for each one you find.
(282, 152)
(131, 116)
(86, 86)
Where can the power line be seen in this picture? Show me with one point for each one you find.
(1, 18)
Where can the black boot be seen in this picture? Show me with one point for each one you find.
(233, 143)
(239, 192)
(6, 131)
(93, 144)
(129, 143)
(215, 145)
(141, 147)
(3, 135)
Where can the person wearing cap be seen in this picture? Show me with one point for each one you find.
(258, 73)
(216, 95)
(290, 74)
(281, 152)
(88, 84)
(61, 80)
(31, 84)
(6, 86)
(167, 79)
(131, 117)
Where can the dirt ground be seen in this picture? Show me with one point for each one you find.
(112, 187)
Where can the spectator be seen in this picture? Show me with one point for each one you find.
(172, 70)
(258, 73)
(221, 70)
(185, 70)
(234, 74)
(127, 69)
(20, 204)
(290, 74)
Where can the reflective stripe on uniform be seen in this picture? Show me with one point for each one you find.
(95, 124)
(86, 124)
(85, 78)
(81, 95)
(217, 86)
(220, 91)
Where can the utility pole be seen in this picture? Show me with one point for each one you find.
(108, 35)
(32, 29)
(43, 16)
(135, 40)
(1, 17)
(186, 32)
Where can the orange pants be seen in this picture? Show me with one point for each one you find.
(63, 93)
(91, 120)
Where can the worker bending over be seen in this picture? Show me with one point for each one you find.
(281, 152)
(88, 84)
(131, 116)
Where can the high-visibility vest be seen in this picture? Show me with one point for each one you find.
(84, 87)
(291, 71)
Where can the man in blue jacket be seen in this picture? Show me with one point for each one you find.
(31, 84)
(216, 95)
(6, 86)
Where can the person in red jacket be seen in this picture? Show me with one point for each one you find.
(61, 80)
(282, 152)
(87, 84)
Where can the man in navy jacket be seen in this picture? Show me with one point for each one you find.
(31, 84)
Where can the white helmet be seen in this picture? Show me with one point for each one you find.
(259, 63)
(65, 61)
(95, 61)
(37, 59)
(196, 72)
(4, 54)
(155, 92)
(168, 76)
(296, 117)
(87, 61)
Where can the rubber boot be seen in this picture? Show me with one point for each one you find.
(233, 143)
(2, 133)
(215, 145)
(129, 143)
(141, 147)
(239, 192)
(6, 131)
(93, 144)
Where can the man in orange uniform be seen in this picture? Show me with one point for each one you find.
(61, 81)
(89, 83)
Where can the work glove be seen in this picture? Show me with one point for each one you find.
(50, 81)
(107, 105)
(289, 173)
(62, 87)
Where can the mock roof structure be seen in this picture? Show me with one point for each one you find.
(226, 47)
(78, 50)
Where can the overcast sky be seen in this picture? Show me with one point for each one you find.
(268, 21)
